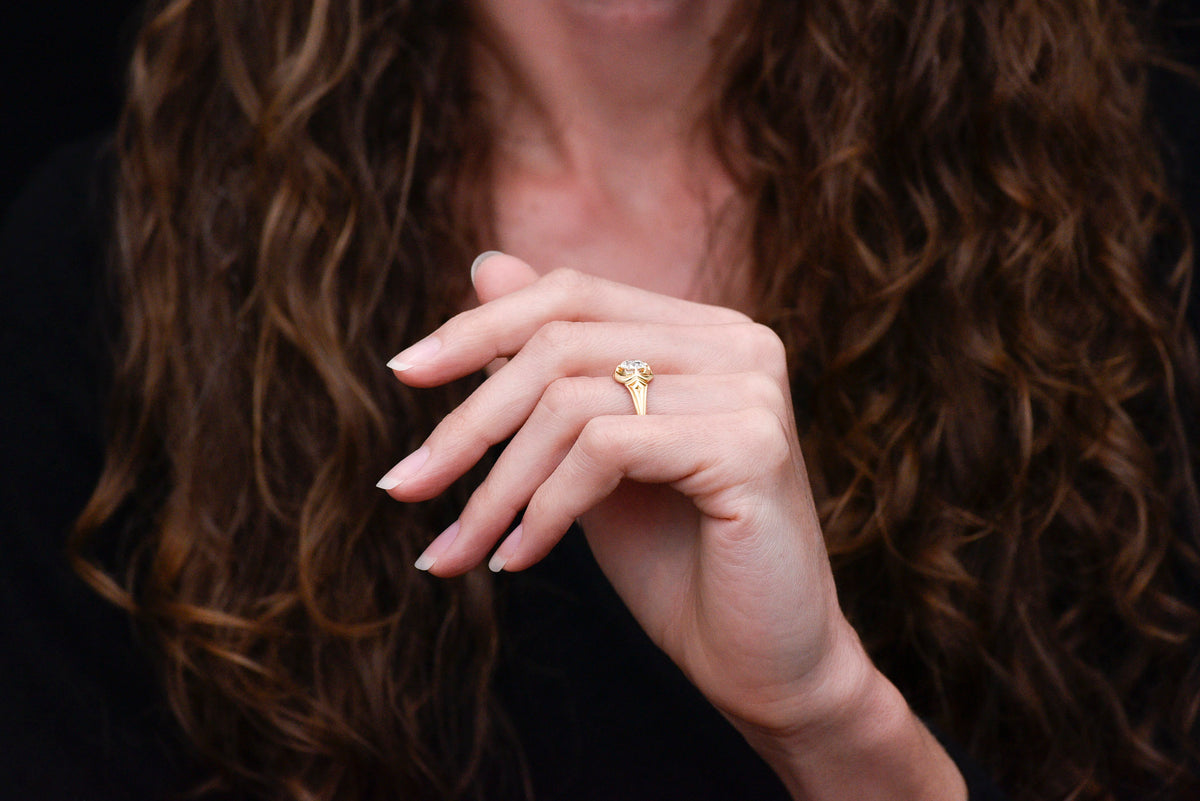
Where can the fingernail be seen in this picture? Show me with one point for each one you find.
(506, 550)
(405, 469)
(419, 353)
(480, 259)
(438, 547)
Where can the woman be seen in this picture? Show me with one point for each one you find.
(950, 482)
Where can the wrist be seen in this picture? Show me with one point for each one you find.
(842, 690)
(855, 736)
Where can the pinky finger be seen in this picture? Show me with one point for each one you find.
(717, 469)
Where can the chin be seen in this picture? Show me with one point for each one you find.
(642, 13)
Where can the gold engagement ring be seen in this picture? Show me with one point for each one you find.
(635, 374)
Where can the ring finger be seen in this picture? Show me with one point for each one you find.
(551, 431)
(506, 399)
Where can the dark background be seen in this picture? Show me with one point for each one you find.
(61, 66)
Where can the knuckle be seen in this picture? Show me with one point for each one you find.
(480, 506)
(600, 439)
(568, 281)
(555, 337)
(564, 397)
(488, 504)
(765, 348)
(539, 508)
(761, 390)
(726, 315)
(766, 342)
(765, 435)
(461, 426)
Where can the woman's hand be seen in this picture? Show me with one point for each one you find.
(700, 513)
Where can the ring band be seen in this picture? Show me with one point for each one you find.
(635, 374)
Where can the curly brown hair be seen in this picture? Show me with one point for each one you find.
(960, 227)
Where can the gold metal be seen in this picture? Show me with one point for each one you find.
(635, 374)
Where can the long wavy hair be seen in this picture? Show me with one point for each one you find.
(961, 227)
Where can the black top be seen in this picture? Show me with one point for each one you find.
(600, 711)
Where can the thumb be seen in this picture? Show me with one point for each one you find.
(496, 274)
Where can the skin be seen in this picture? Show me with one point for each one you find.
(601, 163)
(711, 540)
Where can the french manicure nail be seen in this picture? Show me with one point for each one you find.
(480, 259)
(417, 354)
(506, 550)
(406, 469)
(438, 547)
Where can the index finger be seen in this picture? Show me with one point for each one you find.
(499, 328)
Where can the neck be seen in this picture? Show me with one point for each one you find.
(579, 85)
